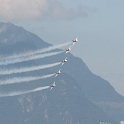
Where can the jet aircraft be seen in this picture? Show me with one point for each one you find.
(57, 73)
(74, 41)
(52, 86)
(65, 60)
(67, 50)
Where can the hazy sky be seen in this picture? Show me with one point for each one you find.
(98, 24)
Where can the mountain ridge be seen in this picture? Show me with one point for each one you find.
(82, 79)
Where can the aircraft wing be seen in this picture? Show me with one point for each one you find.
(51, 88)
(66, 51)
(62, 63)
(56, 75)
(73, 43)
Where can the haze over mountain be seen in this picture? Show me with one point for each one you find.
(78, 94)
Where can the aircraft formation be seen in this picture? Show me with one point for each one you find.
(27, 56)
(63, 61)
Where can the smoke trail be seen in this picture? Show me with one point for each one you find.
(23, 92)
(55, 47)
(27, 69)
(34, 57)
(23, 79)
(29, 53)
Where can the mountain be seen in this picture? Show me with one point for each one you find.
(78, 94)
(17, 39)
(97, 90)
(65, 104)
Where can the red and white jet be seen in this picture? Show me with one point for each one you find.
(57, 73)
(63, 61)
(67, 50)
(74, 41)
(52, 86)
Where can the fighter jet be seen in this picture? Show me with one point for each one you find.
(67, 50)
(52, 86)
(57, 73)
(74, 41)
(63, 61)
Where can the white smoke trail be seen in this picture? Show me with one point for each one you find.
(34, 57)
(23, 92)
(27, 69)
(23, 79)
(29, 53)
(55, 47)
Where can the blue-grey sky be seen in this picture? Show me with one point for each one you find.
(98, 24)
